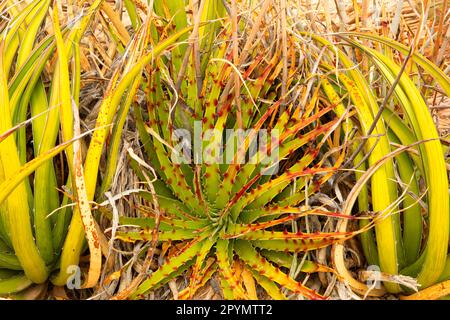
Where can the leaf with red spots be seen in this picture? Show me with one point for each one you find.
(250, 256)
(223, 260)
(200, 260)
(284, 259)
(269, 286)
(162, 274)
(203, 277)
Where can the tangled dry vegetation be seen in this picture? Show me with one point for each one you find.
(92, 94)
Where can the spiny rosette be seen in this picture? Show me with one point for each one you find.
(233, 178)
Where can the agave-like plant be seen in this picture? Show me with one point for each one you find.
(400, 120)
(237, 202)
(409, 122)
(30, 241)
(237, 218)
(41, 237)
